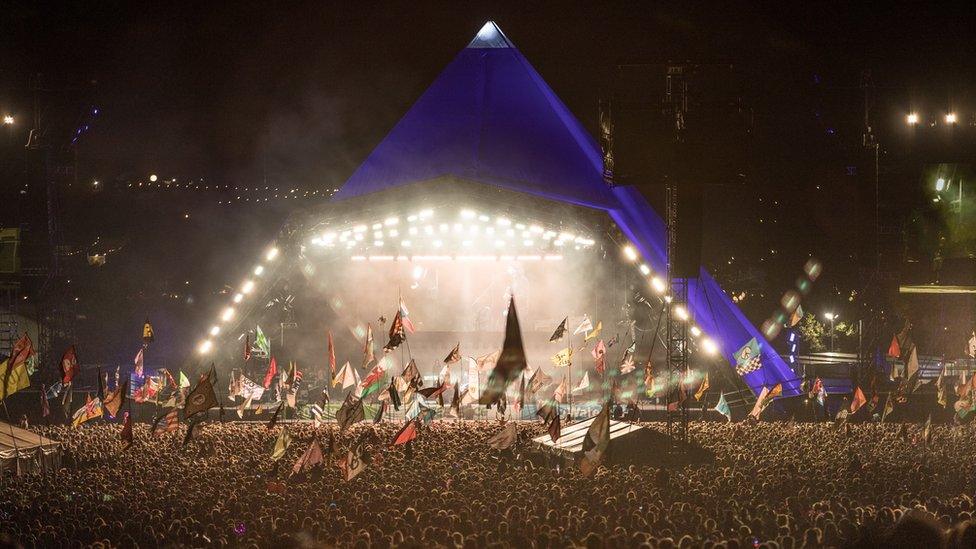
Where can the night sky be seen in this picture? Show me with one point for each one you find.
(294, 95)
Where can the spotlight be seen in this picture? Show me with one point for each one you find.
(238, 298)
(912, 119)
(8, 120)
(950, 118)
(215, 330)
(248, 287)
(681, 312)
(272, 253)
(658, 284)
(153, 178)
(258, 270)
(709, 346)
(630, 252)
(228, 314)
(696, 331)
(205, 347)
(940, 184)
(645, 270)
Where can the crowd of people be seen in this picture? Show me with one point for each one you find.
(778, 485)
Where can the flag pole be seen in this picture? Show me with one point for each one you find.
(570, 388)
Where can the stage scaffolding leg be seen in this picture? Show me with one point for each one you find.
(677, 338)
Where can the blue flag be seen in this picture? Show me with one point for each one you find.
(722, 407)
(748, 359)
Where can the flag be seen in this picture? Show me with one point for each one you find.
(166, 424)
(397, 333)
(612, 341)
(595, 332)
(560, 331)
(380, 411)
(69, 365)
(274, 417)
(139, 362)
(454, 355)
(563, 358)
(190, 426)
(147, 391)
(894, 350)
(748, 359)
(649, 388)
(148, 335)
(14, 378)
(406, 434)
(184, 381)
(352, 463)
(125, 435)
(332, 358)
(677, 396)
(596, 441)
(45, 407)
(405, 317)
(511, 361)
(234, 384)
(888, 407)
(627, 364)
(311, 458)
(702, 388)
(351, 411)
(584, 383)
(972, 345)
(347, 376)
(911, 366)
(560, 393)
(599, 355)
(169, 378)
(555, 429)
(766, 397)
(539, 380)
(374, 381)
(858, 400)
(585, 326)
(115, 399)
(927, 430)
(91, 410)
(487, 361)
(411, 374)
(722, 407)
(247, 347)
(281, 444)
(368, 347)
(505, 438)
(795, 317)
(272, 371)
(262, 342)
(394, 395)
(22, 350)
(202, 397)
(250, 390)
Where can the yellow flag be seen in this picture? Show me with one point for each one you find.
(148, 336)
(284, 439)
(704, 387)
(596, 331)
(91, 410)
(13, 380)
(563, 358)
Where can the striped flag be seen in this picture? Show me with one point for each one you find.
(169, 423)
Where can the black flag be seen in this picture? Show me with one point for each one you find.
(454, 355)
(397, 333)
(596, 441)
(555, 429)
(350, 412)
(202, 397)
(560, 331)
(380, 411)
(511, 362)
(274, 417)
(394, 396)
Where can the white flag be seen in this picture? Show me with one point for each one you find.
(560, 394)
(250, 390)
(583, 383)
(347, 376)
(585, 326)
(972, 345)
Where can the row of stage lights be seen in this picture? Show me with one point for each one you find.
(914, 119)
(660, 288)
(247, 288)
(499, 231)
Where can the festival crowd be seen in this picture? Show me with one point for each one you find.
(779, 485)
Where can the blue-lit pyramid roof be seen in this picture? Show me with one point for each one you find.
(490, 118)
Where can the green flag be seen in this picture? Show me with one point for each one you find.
(262, 343)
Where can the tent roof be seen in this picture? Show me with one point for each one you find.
(16, 439)
(489, 117)
(571, 438)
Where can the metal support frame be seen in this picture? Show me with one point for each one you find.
(677, 336)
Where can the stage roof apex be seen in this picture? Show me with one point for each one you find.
(490, 36)
(490, 118)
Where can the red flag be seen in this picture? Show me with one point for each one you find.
(894, 350)
(599, 354)
(23, 349)
(858, 400)
(69, 365)
(126, 434)
(408, 433)
(272, 371)
(332, 360)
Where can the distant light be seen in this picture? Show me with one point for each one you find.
(645, 270)
(258, 270)
(186, 216)
(709, 346)
(696, 331)
(950, 118)
(214, 330)
(468, 214)
(238, 298)
(940, 184)
(228, 314)
(912, 119)
(830, 316)
(95, 183)
(153, 178)
(272, 253)
(630, 252)
(681, 312)
(248, 287)
(8, 120)
(390, 221)
(658, 284)
(503, 221)
(205, 347)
